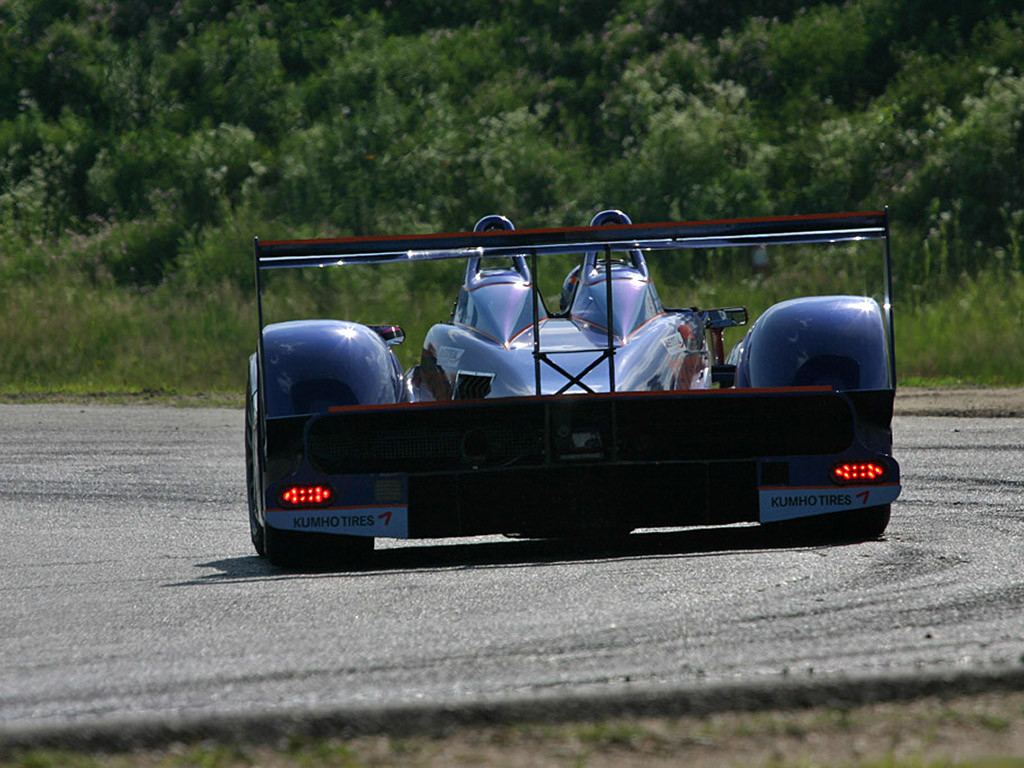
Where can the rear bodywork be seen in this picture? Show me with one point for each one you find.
(611, 414)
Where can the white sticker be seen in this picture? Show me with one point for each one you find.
(391, 521)
(785, 503)
(673, 341)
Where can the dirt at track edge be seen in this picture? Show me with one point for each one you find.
(268, 728)
(968, 402)
(979, 402)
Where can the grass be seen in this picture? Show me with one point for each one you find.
(984, 731)
(73, 336)
(973, 335)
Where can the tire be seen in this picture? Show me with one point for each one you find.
(850, 526)
(866, 524)
(252, 482)
(292, 549)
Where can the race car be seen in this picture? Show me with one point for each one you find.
(607, 414)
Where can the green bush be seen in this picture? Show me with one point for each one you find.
(975, 166)
(141, 251)
(140, 152)
(699, 157)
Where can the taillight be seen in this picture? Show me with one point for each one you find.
(862, 472)
(307, 496)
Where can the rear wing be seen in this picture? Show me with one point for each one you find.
(782, 230)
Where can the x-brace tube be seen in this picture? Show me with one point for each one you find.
(608, 353)
(535, 289)
(577, 379)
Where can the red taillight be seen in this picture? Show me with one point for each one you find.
(307, 496)
(863, 472)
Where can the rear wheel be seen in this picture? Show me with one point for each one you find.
(252, 483)
(291, 549)
(866, 524)
(852, 525)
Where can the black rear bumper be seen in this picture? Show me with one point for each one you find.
(551, 464)
(553, 500)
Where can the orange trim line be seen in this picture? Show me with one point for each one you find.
(824, 487)
(601, 280)
(604, 328)
(503, 282)
(474, 328)
(668, 393)
(334, 509)
(505, 345)
(550, 230)
(524, 329)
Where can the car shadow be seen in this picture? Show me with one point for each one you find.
(510, 553)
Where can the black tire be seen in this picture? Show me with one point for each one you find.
(252, 483)
(853, 525)
(866, 524)
(292, 549)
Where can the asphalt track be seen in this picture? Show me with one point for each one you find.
(132, 608)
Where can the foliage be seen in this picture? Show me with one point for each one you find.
(143, 145)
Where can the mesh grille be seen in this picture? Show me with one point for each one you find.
(646, 429)
(508, 443)
(472, 386)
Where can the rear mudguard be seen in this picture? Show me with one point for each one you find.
(309, 367)
(313, 365)
(837, 341)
